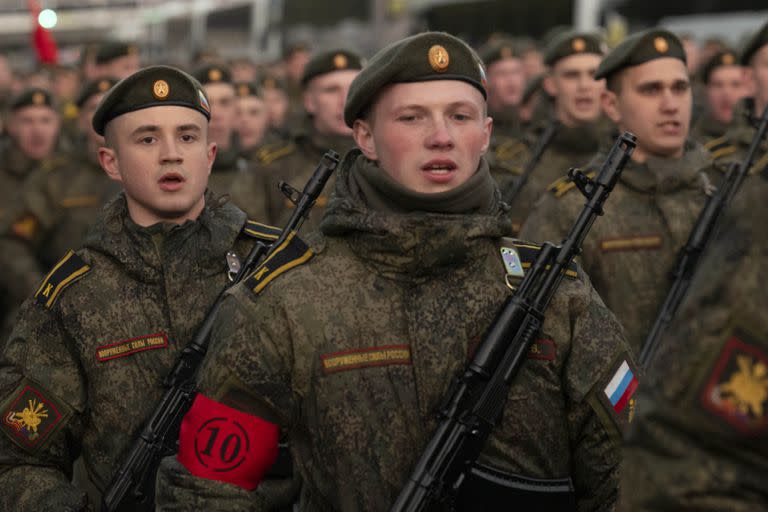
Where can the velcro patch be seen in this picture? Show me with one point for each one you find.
(529, 252)
(30, 416)
(261, 231)
(366, 357)
(617, 392)
(291, 253)
(79, 201)
(543, 350)
(633, 243)
(737, 388)
(131, 346)
(64, 273)
(221, 443)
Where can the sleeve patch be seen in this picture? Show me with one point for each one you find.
(261, 231)
(64, 273)
(736, 390)
(30, 416)
(565, 184)
(291, 253)
(617, 392)
(529, 252)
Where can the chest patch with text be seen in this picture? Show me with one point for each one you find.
(366, 357)
(633, 243)
(131, 346)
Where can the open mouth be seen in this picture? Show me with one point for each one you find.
(171, 181)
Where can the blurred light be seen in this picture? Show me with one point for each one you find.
(47, 18)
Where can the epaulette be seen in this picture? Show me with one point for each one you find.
(261, 231)
(272, 152)
(562, 185)
(720, 147)
(52, 163)
(519, 255)
(760, 164)
(511, 150)
(64, 273)
(291, 253)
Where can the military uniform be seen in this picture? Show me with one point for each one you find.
(706, 127)
(699, 441)
(352, 350)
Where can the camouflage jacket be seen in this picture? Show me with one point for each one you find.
(353, 350)
(227, 167)
(700, 441)
(632, 248)
(87, 357)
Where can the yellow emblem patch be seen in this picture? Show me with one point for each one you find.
(38, 98)
(578, 45)
(737, 389)
(365, 358)
(30, 416)
(340, 61)
(214, 75)
(161, 89)
(661, 45)
(728, 59)
(438, 58)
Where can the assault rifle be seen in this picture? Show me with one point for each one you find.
(474, 404)
(538, 151)
(133, 487)
(703, 231)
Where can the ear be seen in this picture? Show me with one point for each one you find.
(549, 85)
(487, 131)
(110, 163)
(748, 75)
(213, 149)
(610, 103)
(362, 132)
(309, 102)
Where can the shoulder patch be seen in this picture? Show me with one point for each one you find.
(272, 152)
(528, 252)
(564, 184)
(291, 253)
(511, 149)
(261, 231)
(714, 144)
(616, 392)
(30, 415)
(64, 273)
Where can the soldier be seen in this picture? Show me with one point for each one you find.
(572, 59)
(699, 439)
(506, 82)
(631, 251)
(87, 357)
(220, 90)
(252, 120)
(295, 60)
(276, 98)
(351, 352)
(326, 81)
(117, 59)
(732, 146)
(724, 86)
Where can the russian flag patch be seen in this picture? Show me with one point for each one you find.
(617, 391)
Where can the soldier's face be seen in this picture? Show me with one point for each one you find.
(252, 120)
(759, 72)
(506, 82)
(725, 88)
(427, 136)
(122, 66)
(162, 157)
(277, 104)
(35, 130)
(84, 118)
(654, 103)
(324, 99)
(576, 92)
(221, 97)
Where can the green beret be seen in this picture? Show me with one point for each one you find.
(572, 43)
(212, 74)
(268, 81)
(720, 59)
(497, 50)
(93, 88)
(327, 62)
(154, 86)
(245, 89)
(299, 46)
(419, 58)
(754, 44)
(34, 96)
(641, 48)
(112, 50)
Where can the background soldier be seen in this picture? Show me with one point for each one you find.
(117, 59)
(631, 251)
(699, 440)
(352, 350)
(275, 96)
(252, 118)
(86, 359)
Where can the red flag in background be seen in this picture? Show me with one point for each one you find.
(45, 45)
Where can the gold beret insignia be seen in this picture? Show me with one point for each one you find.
(505, 52)
(160, 89)
(578, 45)
(269, 83)
(438, 58)
(242, 90)
(38, 98)
(728, 59)
(661, 45)
(214, 75)
(103, 86)
(340, 61)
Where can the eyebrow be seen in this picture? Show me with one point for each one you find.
(153, 128)
(460, 103)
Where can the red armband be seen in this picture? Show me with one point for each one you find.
(218, 442)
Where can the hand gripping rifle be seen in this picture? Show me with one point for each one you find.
(133, 487)
(703, 231)
(474, 404)
(538, 151)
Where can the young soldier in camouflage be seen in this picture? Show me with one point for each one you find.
(351, 352)
(87, 358)
(700, 439)
(630, 252)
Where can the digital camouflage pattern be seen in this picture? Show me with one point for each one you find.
(352, 352)
(86, 360)
(700, 439)
(631, 249)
